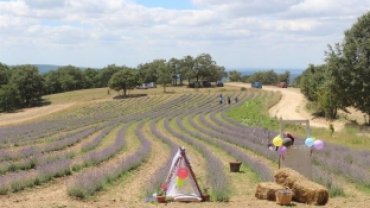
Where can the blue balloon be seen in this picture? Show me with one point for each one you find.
(309, 142)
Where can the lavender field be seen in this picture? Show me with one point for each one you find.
(117, 152)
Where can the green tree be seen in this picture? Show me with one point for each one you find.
(72, 78)
(350, 65)
(202, 66)
(284, 77)
(90, 78)
(217, 73)
(30, 84)
(4, 74)
(164, 72)
(186, 66)
(10, 99)
(311, 80)
(296, 81)
(124, 79)
(175, 65)
(105, 74)
(235, 76)
(52, 82)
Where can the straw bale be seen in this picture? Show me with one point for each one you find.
(267, 190)
(304, 190)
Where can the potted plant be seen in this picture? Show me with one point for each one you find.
(161, 195)
(235, 166)
(206, 195)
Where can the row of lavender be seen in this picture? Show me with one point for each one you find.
(89, 182)
(256, 141)
(200, 102)
(28, 133)
(219, 182)
(57, 168)
(52, 146)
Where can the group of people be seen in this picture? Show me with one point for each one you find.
(221, 99)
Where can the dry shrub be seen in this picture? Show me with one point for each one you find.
(304, 190)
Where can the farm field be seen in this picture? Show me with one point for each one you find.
(88, 149)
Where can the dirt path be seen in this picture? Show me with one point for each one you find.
(292, 106)
(28, 114)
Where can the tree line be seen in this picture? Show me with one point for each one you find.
(269, 77)
(344, 79)
(23, 86)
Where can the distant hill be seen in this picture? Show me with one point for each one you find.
(45, 68)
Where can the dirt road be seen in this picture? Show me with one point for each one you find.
(292, 106)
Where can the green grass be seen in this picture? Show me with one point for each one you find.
(254, 113)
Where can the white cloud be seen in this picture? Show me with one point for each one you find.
(238, 33)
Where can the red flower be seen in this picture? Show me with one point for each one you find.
(164, 186)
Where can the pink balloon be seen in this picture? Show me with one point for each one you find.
(182, 173)
(318, 144)
(282, 150)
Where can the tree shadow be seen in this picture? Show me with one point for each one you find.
(122, 97)
(35, 104)
(41, 103)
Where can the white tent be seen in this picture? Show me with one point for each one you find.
(181, 182)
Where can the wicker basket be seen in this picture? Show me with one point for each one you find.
(284, 197)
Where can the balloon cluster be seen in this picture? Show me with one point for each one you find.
(278, 142)
(182, 173)
(316, 143)
(282, 144)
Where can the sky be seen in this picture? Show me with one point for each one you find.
(238, 34)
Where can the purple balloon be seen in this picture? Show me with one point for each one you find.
(282, 150)
(318, 144)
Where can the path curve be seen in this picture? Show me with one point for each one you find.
(291, 106)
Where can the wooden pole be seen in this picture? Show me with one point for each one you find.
(182, 151)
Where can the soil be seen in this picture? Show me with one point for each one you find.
(53, 194)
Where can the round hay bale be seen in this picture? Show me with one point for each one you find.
(304, 190)
(267, 190)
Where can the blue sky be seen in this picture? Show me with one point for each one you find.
(237, 34)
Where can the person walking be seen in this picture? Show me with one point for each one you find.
(220, 99)
(236, 99)
(228, 99)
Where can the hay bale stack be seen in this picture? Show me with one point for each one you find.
(267, 191)
(304, 190)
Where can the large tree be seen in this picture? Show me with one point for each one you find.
(29, 82)
(125, 78)
(164, 72)
(202, 66)
(350, 65)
